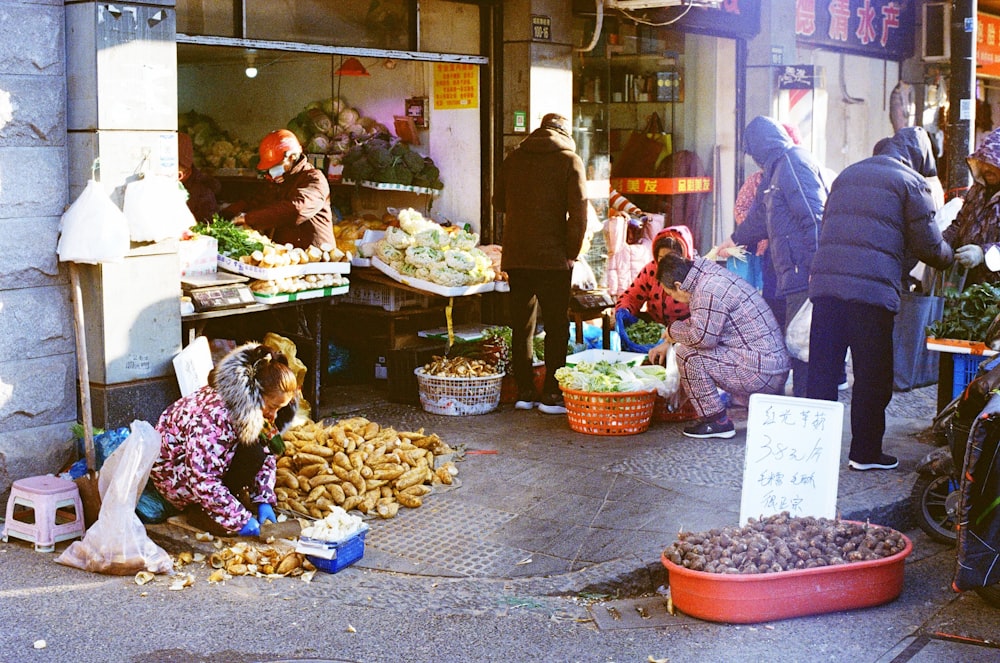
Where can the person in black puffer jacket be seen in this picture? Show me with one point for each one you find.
(879, 213)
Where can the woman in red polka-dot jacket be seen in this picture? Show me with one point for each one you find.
(646, 293)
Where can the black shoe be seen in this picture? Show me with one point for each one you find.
(885, 462)
(721, 428)
(553, 405)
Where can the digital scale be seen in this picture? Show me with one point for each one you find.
(213, 292)
(593, 299)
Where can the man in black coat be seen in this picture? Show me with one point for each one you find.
(541, 190)
(879, 213)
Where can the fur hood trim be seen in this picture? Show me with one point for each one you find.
(233, 379)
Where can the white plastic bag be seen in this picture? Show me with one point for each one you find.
(93, 230)
(797, 334)
(117, 544)
(156, 209)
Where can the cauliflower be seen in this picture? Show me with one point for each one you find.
(437, 237)
(414, 222)
(222, 149)
(444, 275)
(464, 240)
(388, 253)
(423, 255)
(459, 260)
(398, 237)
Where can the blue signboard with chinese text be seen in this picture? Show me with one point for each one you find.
(880, 29)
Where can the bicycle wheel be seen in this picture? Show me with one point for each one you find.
(935, 506)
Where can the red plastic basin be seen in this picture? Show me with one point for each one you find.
(764, 597)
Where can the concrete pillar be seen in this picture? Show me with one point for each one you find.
(122, 115)
(537, 75)
(37, 360)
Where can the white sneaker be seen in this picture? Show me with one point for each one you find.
(524, 405)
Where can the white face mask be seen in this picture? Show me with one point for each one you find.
(276, 171)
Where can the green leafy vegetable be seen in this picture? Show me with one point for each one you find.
(234, 241)
(968, 314)
(645, 332)
(605, 376)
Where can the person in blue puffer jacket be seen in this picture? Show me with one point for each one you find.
(787, 211)
(878, 218)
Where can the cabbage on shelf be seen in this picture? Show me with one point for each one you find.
(213, 146)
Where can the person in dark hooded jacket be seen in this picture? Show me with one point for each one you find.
(217, 442)
(541, 190)
(786, 211)
(977, 227)
(879, 213)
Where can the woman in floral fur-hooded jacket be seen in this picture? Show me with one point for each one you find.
(215, 441)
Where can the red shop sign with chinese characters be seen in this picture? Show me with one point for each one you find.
(661, 186)
(987, 45)
(873, 28)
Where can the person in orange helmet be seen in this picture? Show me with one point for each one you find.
(297, 210)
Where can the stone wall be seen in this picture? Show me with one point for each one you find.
(37, 347)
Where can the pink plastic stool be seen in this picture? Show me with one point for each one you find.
(44, 495)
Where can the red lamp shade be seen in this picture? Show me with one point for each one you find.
(352, 67)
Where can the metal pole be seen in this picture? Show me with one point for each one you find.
(961, 94)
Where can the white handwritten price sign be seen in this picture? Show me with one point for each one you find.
(792, 458)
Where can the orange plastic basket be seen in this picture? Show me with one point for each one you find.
(611, 413)
(662, 412)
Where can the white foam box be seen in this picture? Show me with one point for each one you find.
(198, 255)
(596, 355)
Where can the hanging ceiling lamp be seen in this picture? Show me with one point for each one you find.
(250, 58)
(352, 67)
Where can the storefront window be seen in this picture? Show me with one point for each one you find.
(362, 23)
(388, 24)
(652, 105)
(206, 17)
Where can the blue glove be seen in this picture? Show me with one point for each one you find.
(265, 512)
(252, 528)
(623, 320)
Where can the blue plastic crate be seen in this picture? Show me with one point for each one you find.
(341, 553)
(964, 372)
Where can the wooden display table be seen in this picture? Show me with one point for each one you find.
(304, 318)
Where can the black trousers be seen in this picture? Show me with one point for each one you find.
(532, 291)
(867, 330)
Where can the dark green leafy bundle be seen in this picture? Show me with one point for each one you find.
(380, 159)
(968, 314)
(234, 241)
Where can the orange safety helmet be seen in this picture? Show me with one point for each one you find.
(276, 146)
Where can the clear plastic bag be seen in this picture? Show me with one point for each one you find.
(156, 209)
(93, 230)
(797, 334)
(117, 544)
